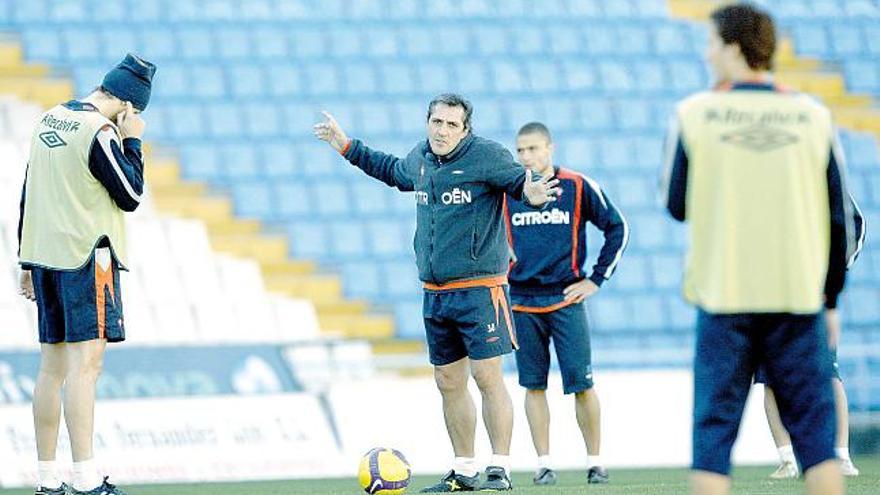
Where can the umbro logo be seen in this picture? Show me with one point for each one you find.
(52, 139)
(760, 138)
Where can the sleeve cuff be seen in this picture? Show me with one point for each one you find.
(597, 279)
(344, 151)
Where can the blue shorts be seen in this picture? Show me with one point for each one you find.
(794, 351)
(761, 374)
(79, 305)
(473, 322)
(567, 327)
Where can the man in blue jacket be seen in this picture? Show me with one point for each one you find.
(460, 181)
(549, 285)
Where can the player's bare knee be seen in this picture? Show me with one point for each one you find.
(487, 377)
(450, 380)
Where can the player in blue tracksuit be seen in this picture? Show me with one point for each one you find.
(460, 181)
(548, 286)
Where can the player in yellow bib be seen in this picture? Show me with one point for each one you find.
(85, 170)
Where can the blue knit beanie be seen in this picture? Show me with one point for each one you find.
(131, 80)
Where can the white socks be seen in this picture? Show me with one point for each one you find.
(501, 461)
(593, 460)
(544, 462)
(786, 454)
(85, 476)
(465, 466)
(842, 453)
(47, 475)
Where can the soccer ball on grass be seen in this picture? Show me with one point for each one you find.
(384, 471)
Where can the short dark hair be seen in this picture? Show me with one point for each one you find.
(453, 100)
(535, 128)
(752, 29)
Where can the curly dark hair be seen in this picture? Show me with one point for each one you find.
(752, 29)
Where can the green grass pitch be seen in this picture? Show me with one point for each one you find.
(747, 481)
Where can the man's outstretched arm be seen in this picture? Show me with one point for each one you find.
(387, 168)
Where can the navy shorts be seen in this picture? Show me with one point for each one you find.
(567, 328)
(79, 305)
(474, 322)
(761, 374)
(794, 351)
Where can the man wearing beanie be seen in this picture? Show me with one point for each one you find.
(85, 169)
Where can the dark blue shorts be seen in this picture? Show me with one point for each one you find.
(761, 374)
(79, 305)
(567, 328)
(794, 351)
(473, 322)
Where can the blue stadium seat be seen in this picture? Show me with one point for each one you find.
(845, 41)
(472, 77)
(385, 238)
(616, 77)
(648, 312)
(681, 314)
(29, 12)
(578, 151)
(185, 121)
(278, 161)
(580, 75)
(401, 278)
(246, 80)
(322, 78)
(872, 37)
(634, 115)
(207, 81)
(233, 43)
(332, 199)
(252, 200)
(543, 76)
(269, 43)
(397, 78)
(284, 81)
(521, 112)
(609, 313)
(434, 77)
(378, 43)
(633, 272)
(67, 12)
(199, 161)
(666, 271)
(616, 152)
(688, 76)
(561, 113)
(308, 43)
(195, 44)
(585, 8)
(369, 198)
(238, 160)
(489, 40)
(863, 307)
(862, 75)
(526, 39)
(157, 44)
(361, 280)
(861, 149)
(600, 39)
(488, 116)
(41, 44)
(811, 39)
(361, 79)
(308, 239)
(671, 38)
(635, 193)
(418, 40)
(565, 40)
(83, 45)
(408, 320)
(347, 240)
(596, 115)
(293, 200)
(633, 39)
(343, 41)
(651, 75)
(225, 120)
